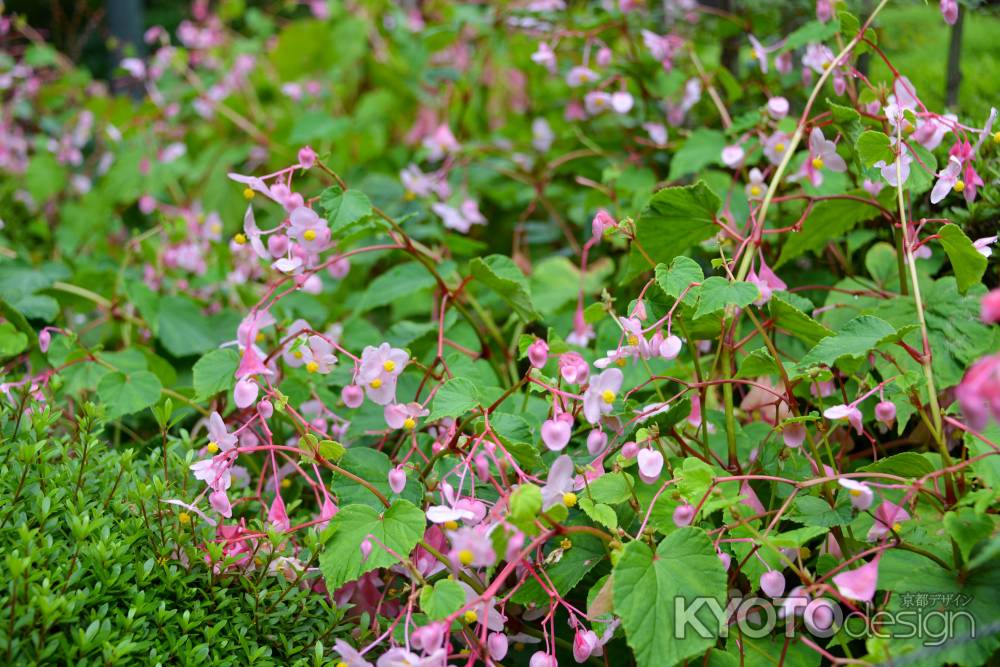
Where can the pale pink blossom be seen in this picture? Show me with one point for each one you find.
(888, 517)
(599, 398)
(859, 584)
(860, 493)
(848, 412)
(650, 465)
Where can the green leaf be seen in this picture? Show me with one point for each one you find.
(906, 464)
(968, 528)
(673, 221)
(565, 568)
(648, 588)
(373, 466)
(399, 528)
(185, 330)
(442, 599)
(214, 372)
(813, 511)
(600, 513)
(402, 280)
(788, 317)
(12, 341)
(718, 293)
(683, 271)
(455, 398)
(344, 209)
(968, 263)
(758, 362)
(828, 220)
(611, 488)
(855, 339)
(702, 148)
(501, 274)
(44, 177)
(525, 503)
(124, 394)
(813, 31)
(873, 147)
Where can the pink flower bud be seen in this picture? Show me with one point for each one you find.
(397, 479)
(630, 449)
(353, 395)
(265, 409)
(885, 412)
(245, 393)
(990, 306)
(683, 514)
(794, 434)
(147, 204)
(650, 465)
(639, 311)
(277, 245)
(497, 644)
(670, 347)
(44, 340)
(556, 433)
(339, 268)
(603, 56)
(585, 644)
(366, 548)
(307, 157)
(597, 440)
(819, 616)
(482, 467)
(772, 583)
(538, 353)
(726, 559)
(602, 222)
(543, 659)
(777, 108)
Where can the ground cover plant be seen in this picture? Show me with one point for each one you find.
(507, 333)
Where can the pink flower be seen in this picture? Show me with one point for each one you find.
(353, 396)
(397, 479)
(650, 465)
(755, 184)
(818, 57)
(404, 415)
(759, 52)
(597, 440)
(657, 133)
(777, 107)
(573, 368)
(859, 584)
(542, 659)
(559, 482)
(538, 353)
(541, 135)
(596, 102)
(885, 412)
(683, 515)
(219, 501)
(824, 10)
(461, 220)
(580, 75)
(245, 393)
(348, 655)
(732, 156)
(767, 282)
(318, 356)
(308, 229)
(860, 493)
(218, 435)
(793, 434)
(497, 645)
(307, 157)
(439, 143)
(775, 147)
(277, 515)
(214, 472)
(601, 223)
(557, 431)
(947, 179)
(622, 101)
(848, 412)
(949, 11)
(989, 307)
(378, 371)
(888, 517)
(978, 393)
(586, 644)
(772, 583)
(545, 56)
(471, 547)
(822, 153)
(982, 245)
(599, 399)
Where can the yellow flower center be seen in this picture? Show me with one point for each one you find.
(959, 185)
(240, 239)
(569, 499)
(633, 340)
(341, 664)
(566, 544)
(817, 163)
(216, 228)
(259, 337)
(465, 557)
(309, 235)
(409, 424)
(518, 646)
(184, 517)
(285, 483)
(755, 190)
(312, 367)
(896, 527)
(826, 65)
(409, 195)
(248, 194)
(451, 525)
(389, 365)
(212, 447)
(470, 616)
(996, 136)
(855, 492)
(779, 147)
(620, 361)
(608, 396)
(598, 102)
(297, 354)
(376, 383)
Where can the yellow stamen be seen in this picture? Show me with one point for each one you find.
(621, 362)
(608, 396)
(285, 483)
(569, 499)
(184, 517)
(855, 492)
(633, 340)
(465, 557)
(817, 163)
(959, 185)
(341, 664)
(309, 235)
(212, 447)
(389, 365)
(297, 354)
(376, 383)
(996, 137)
(409, 195)
(248, 194)
(755, 190)
(216, 228)
(312, 367)
(470, 616)
(779, 147)
(566, 544)
(259, 337)
(451, 525)
(409, 424)
(826, 65)
(896, 527)
(240, 239)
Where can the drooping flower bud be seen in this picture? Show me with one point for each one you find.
(397, 479)
(772, 583)
(538, 353)
(683, 515)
